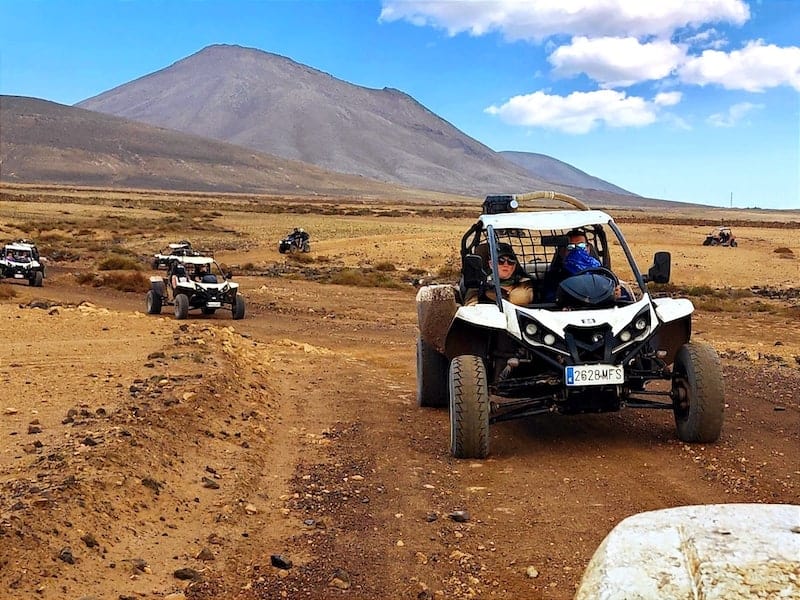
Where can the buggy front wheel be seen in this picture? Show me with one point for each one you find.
(431, 375)
(469, 407)
(698, 394)
(153, 303)
(181, 306)
(237, 312)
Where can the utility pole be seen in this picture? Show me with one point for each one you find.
(731, 199)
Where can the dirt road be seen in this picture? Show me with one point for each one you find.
(147, 458)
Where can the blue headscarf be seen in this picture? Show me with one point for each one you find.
(578, 260)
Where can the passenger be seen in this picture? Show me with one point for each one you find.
(515, 284)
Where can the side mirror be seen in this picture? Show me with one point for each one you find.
(472, 273)
(660, 271)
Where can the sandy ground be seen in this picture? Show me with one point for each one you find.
(144, 457)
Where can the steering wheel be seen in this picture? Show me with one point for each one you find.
(601, 271)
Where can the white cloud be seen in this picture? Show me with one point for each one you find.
(539, 19)
(617, 62)
(735, 114)
(579, 112)
(753, 68)
(708, 38)
(667, 98)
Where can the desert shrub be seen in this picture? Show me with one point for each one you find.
(119, 263)
(248, 266)
(416, 271)
(6, 291)
(124, 281)
(783, 250)
(301, 258)
(87, 279)
(52, 237)
(385, 266)
(128, 282)
(123, 251)
(449, 271)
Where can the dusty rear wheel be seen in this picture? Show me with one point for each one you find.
(238, 308)
(698, 393)
(181, 306)
(153, 303)
(432, 375)
(36, 279)
(469, 407)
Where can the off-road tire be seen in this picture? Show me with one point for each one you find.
(432, 375)
(469, 407)
(153, 302)
(306, 247)
(707, 242)
(237, 311)
(734, 243)
(698, 393)
(37, 277)
(181, 306)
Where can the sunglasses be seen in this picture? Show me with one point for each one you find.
(578, 245)
(503, 260)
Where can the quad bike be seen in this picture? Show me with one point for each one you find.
(296, 241)
(721, 236)
(579, 347)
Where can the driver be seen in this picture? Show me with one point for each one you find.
(578, 259)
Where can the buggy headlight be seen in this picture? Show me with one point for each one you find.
(531, 329)
(640, 324)
(625, 336)
(549, 339)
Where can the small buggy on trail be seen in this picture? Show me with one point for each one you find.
(21, 260)
(194, 282)
(296, 241)
(721, 236)
(579, 347)
(181, 248)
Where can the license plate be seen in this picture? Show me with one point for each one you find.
(594, 375)
(19, 276)
(213, 304)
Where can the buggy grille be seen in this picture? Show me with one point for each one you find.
(589, 344)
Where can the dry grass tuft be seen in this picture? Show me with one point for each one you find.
(301, 258)
(385, 266)
(7, 291)
(124, 281)
(119, 263)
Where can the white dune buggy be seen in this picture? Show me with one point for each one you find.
(182, 248)
(588, 343)
(194, 282)
(21, 260)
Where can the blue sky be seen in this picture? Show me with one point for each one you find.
(689, 100)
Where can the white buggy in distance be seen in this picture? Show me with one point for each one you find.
(194, 282)
(21, 260)
(580, 347)
(181, 248)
